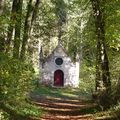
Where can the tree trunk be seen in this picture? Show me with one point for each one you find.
(102, 62)
(27, 26)
(1, 6)
(2, 38)
(35, 11)
(30, 17)
(98, 65)
(17, 29)
(105, 69)
(103, 84)
(11, 26)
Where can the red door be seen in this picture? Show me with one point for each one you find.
(58, 78)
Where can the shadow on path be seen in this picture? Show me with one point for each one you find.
(65, 108)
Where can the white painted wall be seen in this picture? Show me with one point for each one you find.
(70, 70)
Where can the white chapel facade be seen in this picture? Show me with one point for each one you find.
(58, 69)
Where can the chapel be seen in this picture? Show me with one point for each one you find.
(58, 69)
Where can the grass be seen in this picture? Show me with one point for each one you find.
(60, 92)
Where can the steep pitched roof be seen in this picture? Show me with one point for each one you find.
(59, 46)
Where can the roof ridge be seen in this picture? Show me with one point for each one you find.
(58, 46)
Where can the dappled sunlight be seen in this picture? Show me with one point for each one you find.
(69, 94)
(74, 93)
(59, 117)
(63, 104)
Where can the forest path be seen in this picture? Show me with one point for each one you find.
(65, 107)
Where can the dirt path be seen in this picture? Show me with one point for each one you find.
(65, 108)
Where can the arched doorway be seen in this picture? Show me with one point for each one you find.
(58, 78)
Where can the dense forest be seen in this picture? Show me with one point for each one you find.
(89, 30)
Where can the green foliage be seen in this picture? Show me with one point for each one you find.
(25, 108)
(21, 110)
(115, 68)
(60, 10)
(113, 23)
(87, 77)
(4, 115)
(15, 84)
(116, 111)
(115, 76)
(15, 77)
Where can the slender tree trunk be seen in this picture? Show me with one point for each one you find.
(11, 26)
(27, 26)
(2, 38)
(105, 69)
(103, 85)
(102, 62)
(1, 6)
(30, 17)
(98, 51)
(17, 29)
(98, 66)
(30, 48)
(35, 11)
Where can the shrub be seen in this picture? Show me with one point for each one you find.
(15, 83)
